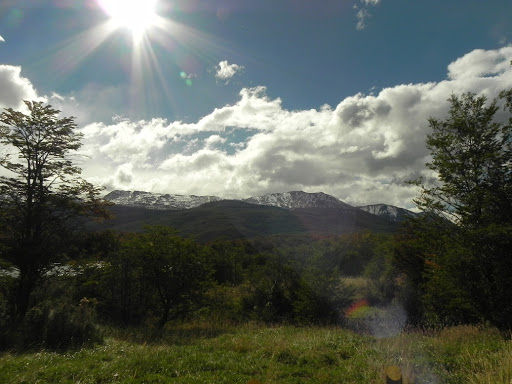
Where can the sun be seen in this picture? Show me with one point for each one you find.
(137, 16)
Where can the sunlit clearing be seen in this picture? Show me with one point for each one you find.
(135, 15)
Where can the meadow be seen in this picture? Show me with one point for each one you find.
(251, 353)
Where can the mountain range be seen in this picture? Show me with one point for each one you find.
(211, 217)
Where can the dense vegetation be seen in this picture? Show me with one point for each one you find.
(61, 285)
(153, 277)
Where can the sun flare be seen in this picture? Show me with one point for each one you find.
(137, 16)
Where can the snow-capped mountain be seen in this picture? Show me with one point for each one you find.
(299, 199)
(158, 200)
(288, 200)
(210, 217)
(390, 212)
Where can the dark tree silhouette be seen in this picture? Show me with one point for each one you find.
(42, 194)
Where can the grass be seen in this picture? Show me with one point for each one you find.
(358, 284)
(284, 354)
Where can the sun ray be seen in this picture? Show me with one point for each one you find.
(71, 53)
(151, 38)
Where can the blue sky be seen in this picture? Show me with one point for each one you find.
(237, 98)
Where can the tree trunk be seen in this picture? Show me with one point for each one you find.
(26, 283)
(165, 317)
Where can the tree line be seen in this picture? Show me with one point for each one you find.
(450, 265)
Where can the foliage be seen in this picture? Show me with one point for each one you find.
(322, 298)
(381, 274)
(229, 260)
(458, 265)
(61, 326)
(42, 195)
(471, 154)
(122, 289)
(177, 269)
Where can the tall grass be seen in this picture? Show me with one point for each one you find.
(461, 354)
(201, 353)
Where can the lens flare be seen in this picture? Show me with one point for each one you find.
(358, 310)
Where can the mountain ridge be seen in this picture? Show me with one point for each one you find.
(391, 212)
(292, 200)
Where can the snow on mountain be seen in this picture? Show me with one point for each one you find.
(288, 200)
(158, 200)
(299, 199)
(388, 211)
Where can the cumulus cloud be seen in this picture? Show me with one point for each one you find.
(362, 150)
(96, 104)
(214, 141)
(123, 175)
(481, 63)
(15, 88)
(226, 71)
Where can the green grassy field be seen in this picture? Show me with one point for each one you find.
(202, 354)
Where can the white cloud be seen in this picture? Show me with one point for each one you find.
(96, 103)
(361, 150)
(2, 39)
(362, 13)
(14, 88)
(226, 71)
(214, 141)
(124, 175)
(481, 63)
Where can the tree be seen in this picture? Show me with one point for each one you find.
(176, 269)
(472, 157)
(42, 193)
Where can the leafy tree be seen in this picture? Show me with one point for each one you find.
(471, 153)
(472, 156)
(273, 283)
(321, 297)
(229, 258)
(177, 269)
(41, 194)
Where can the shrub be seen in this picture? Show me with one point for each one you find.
(61, 326)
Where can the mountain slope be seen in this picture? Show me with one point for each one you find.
(288, 200)
(158, 200)
(299, 199)
(236, 219)
(389, 212)
(222, 219)
(210, 217)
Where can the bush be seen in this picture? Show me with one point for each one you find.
(61, 326)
